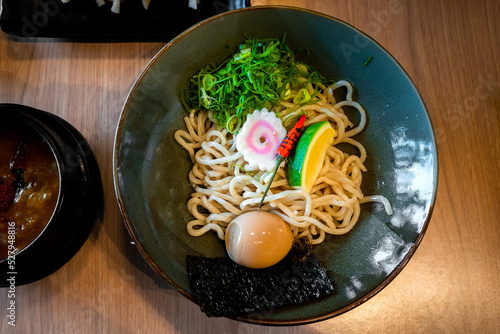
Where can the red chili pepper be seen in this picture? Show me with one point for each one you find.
(3, 223)
(291, 138)
(7, 194)
(285, 148)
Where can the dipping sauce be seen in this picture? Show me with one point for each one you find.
(27, 167)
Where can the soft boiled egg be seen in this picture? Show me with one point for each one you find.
(258, 239)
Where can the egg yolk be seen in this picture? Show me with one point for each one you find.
(258, 239)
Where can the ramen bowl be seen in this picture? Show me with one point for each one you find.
(58, 193)
(151, 168)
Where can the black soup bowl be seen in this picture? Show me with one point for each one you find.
(51, 169)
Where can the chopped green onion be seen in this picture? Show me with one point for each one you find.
(302, 97)
(233, 124)
(368, 60)
(262, 73)
(247, 172)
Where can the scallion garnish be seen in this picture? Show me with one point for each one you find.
(262, 73)
(368, 60)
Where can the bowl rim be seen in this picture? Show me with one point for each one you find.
(330, 314)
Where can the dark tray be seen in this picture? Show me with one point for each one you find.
(84, 19)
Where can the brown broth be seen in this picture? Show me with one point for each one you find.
(35, 203)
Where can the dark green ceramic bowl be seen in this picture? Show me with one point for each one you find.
(151, 169)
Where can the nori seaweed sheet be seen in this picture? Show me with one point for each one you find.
(224, 288)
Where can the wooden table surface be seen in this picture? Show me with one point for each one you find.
(451, 49)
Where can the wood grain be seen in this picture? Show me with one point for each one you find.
(449, 48)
